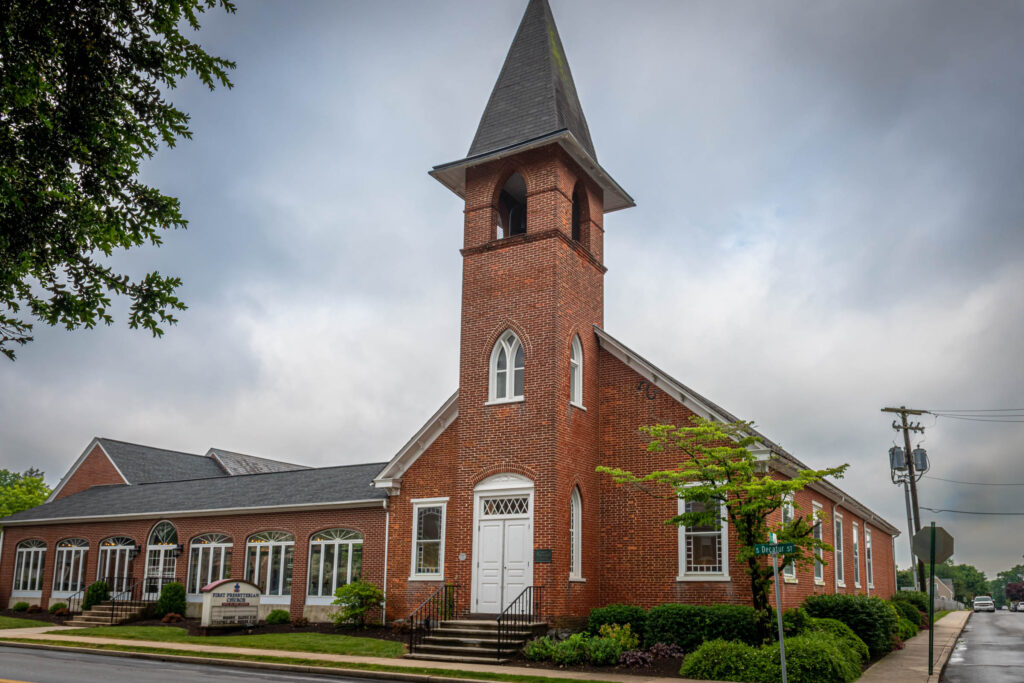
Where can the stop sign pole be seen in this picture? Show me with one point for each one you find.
(935, 543)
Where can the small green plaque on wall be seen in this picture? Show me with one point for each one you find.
(542, 555)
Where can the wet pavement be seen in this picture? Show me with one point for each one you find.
(990, 650)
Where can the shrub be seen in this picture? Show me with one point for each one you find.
(810, 658)
(731, 622)
(637, 658)
(908, 611)
(34, 609)
(918, 599)
(95, 594)
(844, 633)
(635, 616)
(604, 651)
(57, 606)
(539, 649)
(20, 607)
(795, 621)
(872, 619)
(572, 651)
(171, 600)
(278, 616)
(666, 651)
(62, 612)
(682, 625)
(301, 622)
(172, 618)
(905, 629)
(623, 635)
(355, 600)
(722, 660)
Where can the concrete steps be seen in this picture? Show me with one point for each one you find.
(473, 640)
(100, 615)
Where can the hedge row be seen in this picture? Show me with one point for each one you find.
(873, 620)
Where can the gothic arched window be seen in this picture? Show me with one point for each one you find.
(576, 372)
(507, 369)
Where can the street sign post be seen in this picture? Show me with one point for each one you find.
(774, 549)
(936, 544)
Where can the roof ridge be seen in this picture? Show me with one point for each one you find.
(142, 445)
(258, 457)
(260, 474)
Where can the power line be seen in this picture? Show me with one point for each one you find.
(980, 418)
(972, 483)
(976, 410)
(972, 512)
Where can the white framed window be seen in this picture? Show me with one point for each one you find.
(856, 555)
(837, 542)
(29, 561)
(428, 525)
(788, 515)
(209, 560)
(507, 371)
(113, 567)
(703, 550)
(335, 559)
(69, 566)
(575, 535)
(576, 372)
(819, 566)
(162, 552)
(868, 559)
(269, 556)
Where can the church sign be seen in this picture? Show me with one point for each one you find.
(230, 603)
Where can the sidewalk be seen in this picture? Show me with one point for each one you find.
(911, 663)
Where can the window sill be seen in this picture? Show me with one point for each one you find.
(504, 401)
(789, 579)
(580, 406)
(275, 600)
(703, 578)
(426, 577)
(819, 582)
(194, 597)
(840, 584)
(577, 579)
(856, 585)
(871, 586)
(27, 594)
(319, 599)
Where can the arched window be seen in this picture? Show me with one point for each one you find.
(575, 535)
(268, 562)
(577, 213)
(209, 560)
(507, 368)
(163, 533)
(576, 372)
(335, 558)
(69, 569)
(512, 208)
(29, 560)
(116, 554)
(161, 559)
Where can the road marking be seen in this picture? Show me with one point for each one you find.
(11, 680)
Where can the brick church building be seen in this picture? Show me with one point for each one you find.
(498, 491)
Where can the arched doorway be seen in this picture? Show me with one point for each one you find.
(502, 541)
(162, 552)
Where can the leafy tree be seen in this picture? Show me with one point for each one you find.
(968, 581)
(719, 473)
(904, 578)
(1015, 591)
(21, 491)
(998, 585)
(82, 103)
(355, 600)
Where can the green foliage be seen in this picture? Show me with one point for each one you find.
(621, 634)
(171, 600)
(83, 99)
(355, 600)
(718, 470)
(918, 599)
(795, 621)
(844, 633)
(905, 629)
(20, 607)
(56, 606)
(95, 594)
(635, 616)
(604, 651)
(723, 660)
(968, 581)
(279, 616)
(872, 619)
(540, 649)
(572, 651)
(814, 657)
(1015, 591)
(731, 622)
(908, 611)
(21, 491)
(690, 625)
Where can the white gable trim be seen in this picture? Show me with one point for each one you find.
(390, 477)
(78, 463)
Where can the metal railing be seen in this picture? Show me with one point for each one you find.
(435, 609)
(520, 614)
(126, 602)
(74, 602)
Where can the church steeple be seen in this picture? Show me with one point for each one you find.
(533, 104)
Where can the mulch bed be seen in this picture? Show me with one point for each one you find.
(664, 668)
(43, 616)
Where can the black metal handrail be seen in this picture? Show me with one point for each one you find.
(127, 600)
(520, 614)
(435, 609)
(74, 603)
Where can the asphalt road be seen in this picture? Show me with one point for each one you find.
(23, 665)
(990, 650)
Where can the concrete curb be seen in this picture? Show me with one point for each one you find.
(946, 651)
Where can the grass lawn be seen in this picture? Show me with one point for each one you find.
(327, 643)
(941, 613)
(13, 622)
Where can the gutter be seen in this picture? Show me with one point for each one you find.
(387, 533)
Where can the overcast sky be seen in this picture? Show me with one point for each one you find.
(829, 220)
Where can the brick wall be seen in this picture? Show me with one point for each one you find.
(95, 470)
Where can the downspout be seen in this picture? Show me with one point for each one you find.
(835, 568)
(387, 532)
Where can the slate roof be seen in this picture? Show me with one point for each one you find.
(145, 464)
(534, 94)
(240, 463)
(318, 486)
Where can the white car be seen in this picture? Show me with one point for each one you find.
(983, 603)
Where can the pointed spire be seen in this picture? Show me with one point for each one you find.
(535, 94)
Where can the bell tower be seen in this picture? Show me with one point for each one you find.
(532, 291)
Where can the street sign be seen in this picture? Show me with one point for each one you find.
(770, 548)
(922, 544)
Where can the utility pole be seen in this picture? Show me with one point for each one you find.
(907, 427)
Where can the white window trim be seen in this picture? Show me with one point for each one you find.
(869, 562)
(260, 581)
(681, 542)
(839, 550)
(817, 511)
(576, 387)
(856, 554)
(223, 546)
(789, 573)
(349, 543)
(416, 505)
(576, 549)
(510, 382)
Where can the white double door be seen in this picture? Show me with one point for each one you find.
(505, 565)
